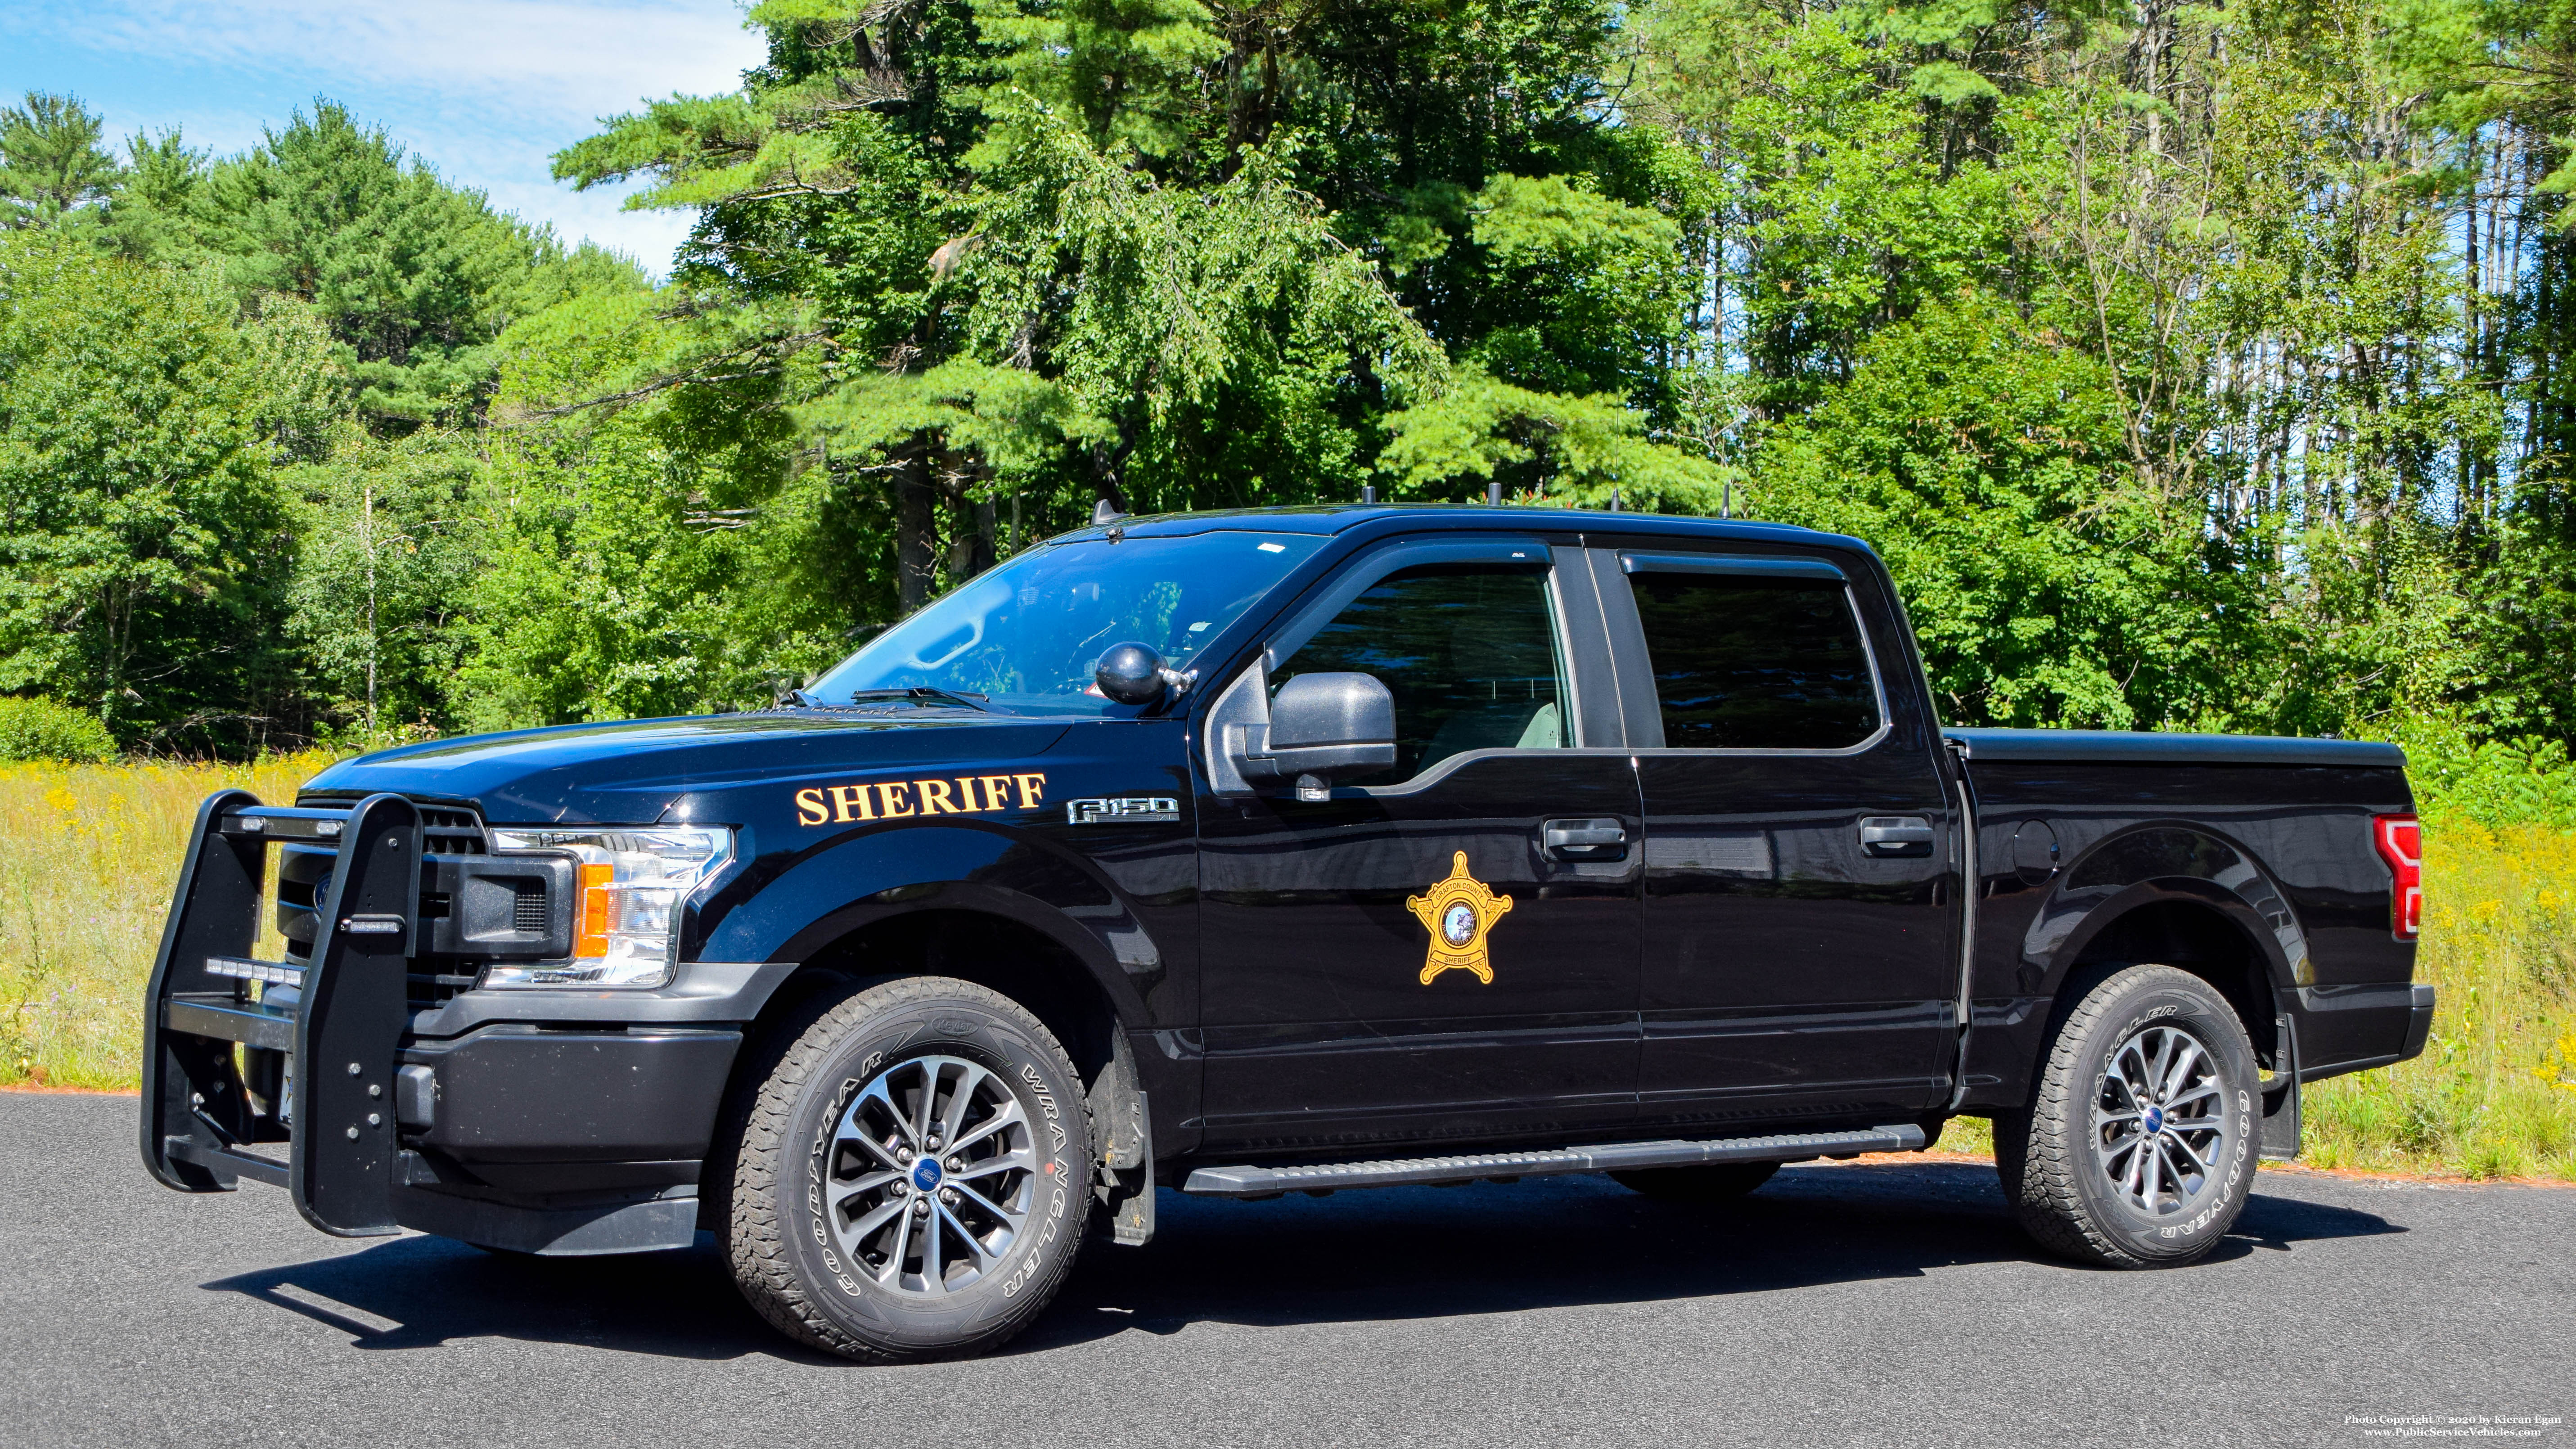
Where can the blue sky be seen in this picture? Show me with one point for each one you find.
(485, 90)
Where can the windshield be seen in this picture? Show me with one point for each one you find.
(1027, 633)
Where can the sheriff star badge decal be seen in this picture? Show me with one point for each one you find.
(1459, 911)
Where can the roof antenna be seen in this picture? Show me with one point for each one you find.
(1494, 493)
(1104, 512)
(1726, 508)
(1368, 493)
(1614, 500)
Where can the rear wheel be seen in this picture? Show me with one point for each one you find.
(912, 1180)
(2138, 1149)
(1715, 1183)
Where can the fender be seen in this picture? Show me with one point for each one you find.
(871, 873)
(2163, 861)
(2155, 863)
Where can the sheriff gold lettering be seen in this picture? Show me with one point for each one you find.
(899, 799)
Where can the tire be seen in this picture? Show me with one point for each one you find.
(845, 1234)
(2097, 1169)
(1717, 1182)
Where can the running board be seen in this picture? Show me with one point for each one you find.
(1255, 1182)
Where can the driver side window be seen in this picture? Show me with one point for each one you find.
(1469, 652)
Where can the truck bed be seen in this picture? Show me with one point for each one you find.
(2253, 857)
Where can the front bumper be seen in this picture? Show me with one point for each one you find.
(561, 1141)
(557, 1121)
(539, 1109)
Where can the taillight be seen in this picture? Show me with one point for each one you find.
(2401, 843)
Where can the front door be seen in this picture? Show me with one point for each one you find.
(1448, 949)
(1801, 953)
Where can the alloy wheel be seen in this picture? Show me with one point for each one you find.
(931, 1175)
(2159, 1120)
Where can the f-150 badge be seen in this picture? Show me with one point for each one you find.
(1459, 911)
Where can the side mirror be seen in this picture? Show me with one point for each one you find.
(1131, 674)
(1326, 727)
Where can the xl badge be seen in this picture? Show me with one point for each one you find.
(1459, 911)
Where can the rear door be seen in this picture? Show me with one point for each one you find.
(1800, 951)
(1448, 950)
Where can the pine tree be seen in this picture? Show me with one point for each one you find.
(52, 167)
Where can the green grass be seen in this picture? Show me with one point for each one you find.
(88, 854)
(2494, 1094)
(1974, 1136)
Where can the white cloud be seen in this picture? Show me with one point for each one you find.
(648, 236)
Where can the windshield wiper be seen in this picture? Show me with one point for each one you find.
(917, 694)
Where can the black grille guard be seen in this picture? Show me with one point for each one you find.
(344, 1032)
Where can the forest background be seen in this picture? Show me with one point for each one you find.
(2193, 367)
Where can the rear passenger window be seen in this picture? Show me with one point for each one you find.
(1754, 663)
(1469, 652)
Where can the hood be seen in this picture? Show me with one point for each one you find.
(634, 772)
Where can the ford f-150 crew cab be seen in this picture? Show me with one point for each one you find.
(1270, 851)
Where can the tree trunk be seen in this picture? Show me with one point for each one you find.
(970, 541)
(915, 526)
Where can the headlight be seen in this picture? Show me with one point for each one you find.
(626, 910)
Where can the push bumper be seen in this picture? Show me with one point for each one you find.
(201, 1131)
(545, 1121)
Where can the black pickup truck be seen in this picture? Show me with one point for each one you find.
(1270, 851)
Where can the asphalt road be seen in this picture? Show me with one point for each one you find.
(1859, 1304)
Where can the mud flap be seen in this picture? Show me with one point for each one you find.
(1126, 1187)
(2280, 1137)
(1123, 1176)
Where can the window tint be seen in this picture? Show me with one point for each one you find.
(1468, 652)
(1755, 663)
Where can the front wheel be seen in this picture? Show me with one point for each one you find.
(913, 1176)
(2138, 1149)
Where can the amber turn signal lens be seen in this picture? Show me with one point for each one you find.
(591, 939)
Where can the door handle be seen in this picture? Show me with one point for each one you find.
(1585, 839)
(1885, 835)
